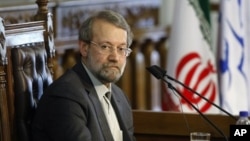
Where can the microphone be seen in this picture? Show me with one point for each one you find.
(159, 73)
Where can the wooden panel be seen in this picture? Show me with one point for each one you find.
(159, 126)
(152, 57)
(138, 73)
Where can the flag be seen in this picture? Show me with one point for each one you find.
(234, 55)
(190, 57)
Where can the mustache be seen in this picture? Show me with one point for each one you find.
(108, 66)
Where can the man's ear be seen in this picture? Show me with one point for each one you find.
(83, 47)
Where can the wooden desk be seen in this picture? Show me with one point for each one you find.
(172, 126)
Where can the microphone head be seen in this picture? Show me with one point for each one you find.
(158, 72)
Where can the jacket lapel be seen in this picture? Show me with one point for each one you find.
(118, 104)
(79, 69)
(100, 116)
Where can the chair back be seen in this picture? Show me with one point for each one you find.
(26, 69)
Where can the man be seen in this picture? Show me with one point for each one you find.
(84, 104)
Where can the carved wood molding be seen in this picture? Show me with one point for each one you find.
(139, 14)
(69, 15)
(25, 13)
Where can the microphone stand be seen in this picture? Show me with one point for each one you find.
(196, 109)
(159, 73)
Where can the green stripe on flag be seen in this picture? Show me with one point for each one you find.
(201, 8)
(205, 7)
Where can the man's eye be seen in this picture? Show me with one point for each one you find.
(105, 46)
(121, 49)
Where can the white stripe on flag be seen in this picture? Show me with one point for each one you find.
(190, 58)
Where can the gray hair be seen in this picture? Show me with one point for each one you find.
(85, 32)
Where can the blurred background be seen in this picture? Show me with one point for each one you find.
(153, 23)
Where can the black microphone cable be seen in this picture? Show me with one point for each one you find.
(184, 116)
(196, 109)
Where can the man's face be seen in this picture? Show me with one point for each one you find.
(106, 66)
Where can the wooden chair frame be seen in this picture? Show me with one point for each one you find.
(42, 31)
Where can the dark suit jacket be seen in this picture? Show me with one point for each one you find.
(70, 110)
